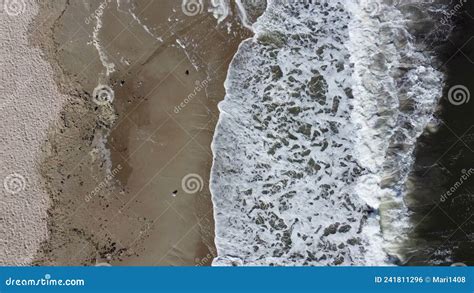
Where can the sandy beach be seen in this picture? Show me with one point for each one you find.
(329, 133)
(122, 180)
(30, 103)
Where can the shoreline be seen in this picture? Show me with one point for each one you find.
(130, 209)
(216, 133)
(182, 137)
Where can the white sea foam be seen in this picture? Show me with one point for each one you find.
(243, 14)
(104, 59)
(316, 133)
(222, 11)
(144, 26)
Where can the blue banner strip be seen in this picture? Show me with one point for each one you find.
(237, 279)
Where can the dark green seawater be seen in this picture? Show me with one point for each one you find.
(442, 224)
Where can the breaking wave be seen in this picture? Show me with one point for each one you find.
(316, 133)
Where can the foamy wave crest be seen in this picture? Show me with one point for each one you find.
(317, 105)
(396, 88)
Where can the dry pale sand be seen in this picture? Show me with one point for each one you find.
(30, 102)
(115, 172)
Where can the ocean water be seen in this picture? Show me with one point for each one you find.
(441, 185)
(317, 130)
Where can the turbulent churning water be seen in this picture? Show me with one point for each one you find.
(316, 133)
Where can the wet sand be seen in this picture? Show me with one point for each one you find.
(165, 136)
(115, 172)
